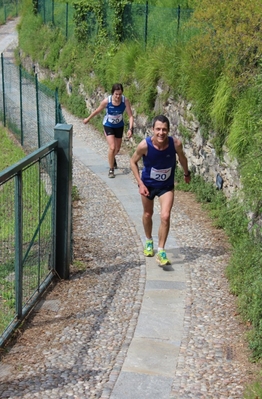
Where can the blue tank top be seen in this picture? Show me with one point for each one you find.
(159, 166)
(114, 113)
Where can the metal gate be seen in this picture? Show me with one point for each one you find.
(28, 196)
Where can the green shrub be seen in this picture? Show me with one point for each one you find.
(185, 133)
(254, 390)
(221, 106)
(75, 194)
(76, 104)
(245, 122)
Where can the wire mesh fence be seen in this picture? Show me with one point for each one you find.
(153, 25)
(7, 254)
(144, 23)
(27, 107)
(9, 9)
(27, 233)
(59, 15)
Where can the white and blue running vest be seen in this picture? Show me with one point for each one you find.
(114, 114)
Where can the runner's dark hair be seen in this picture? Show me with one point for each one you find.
(117, 86)
(161, 118)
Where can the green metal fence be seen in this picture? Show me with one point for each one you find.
(27, 107)
(27, 234)
(9, 9)
(31, 228)
(35, 227)
(59, 15)
(144, 23)
(153, 25)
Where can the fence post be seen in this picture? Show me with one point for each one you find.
(56, 107)
(37, 111)
(53, 12)
(178, 19)
(146, 22)
(64, 134)
(66, 21)
(3, 87)
(18, 245)
(21, 104)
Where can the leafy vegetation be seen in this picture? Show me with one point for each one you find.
(254, 391)
(12, 153)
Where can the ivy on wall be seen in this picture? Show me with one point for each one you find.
(82, 22)
(119, 7)
(97, 7)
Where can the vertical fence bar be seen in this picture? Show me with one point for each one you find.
(21, 104)
(146, 22)
(39, 224)
(57, 119)
(54, 202)
(44, 18)
(53, 12)
(178, 19)
(18, 244)
(3, 86)
(66, 21)
(37, 111)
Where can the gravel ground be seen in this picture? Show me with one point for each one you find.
(74, 343)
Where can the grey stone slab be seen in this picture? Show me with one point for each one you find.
(152, 357)
(86, 155)
(6, 42)
(155, 324)
(174, 251)
(164, 285)
(164, 301)
(141, 386)
(175, 272)
(6, 370)
(51, 304)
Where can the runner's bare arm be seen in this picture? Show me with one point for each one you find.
(138, 154)
(102, 106)
(131, 118)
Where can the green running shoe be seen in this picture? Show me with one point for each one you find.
(149, 250)
(161, 258)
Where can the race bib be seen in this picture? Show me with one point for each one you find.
(160, 174)
(115, 119)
